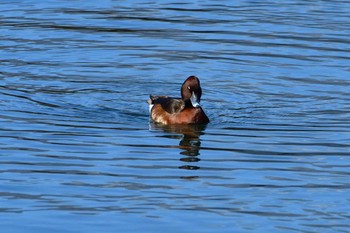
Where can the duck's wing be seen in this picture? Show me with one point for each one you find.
(170, 105)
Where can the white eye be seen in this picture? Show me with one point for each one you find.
(188, 87)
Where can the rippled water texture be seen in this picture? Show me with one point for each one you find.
(77, 150)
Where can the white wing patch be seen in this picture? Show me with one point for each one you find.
(150, 107)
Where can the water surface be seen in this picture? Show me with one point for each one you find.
(77, 149)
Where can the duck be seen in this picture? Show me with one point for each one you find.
(185, 110)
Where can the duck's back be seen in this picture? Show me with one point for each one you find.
(170, 105)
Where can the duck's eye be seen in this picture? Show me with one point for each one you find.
(189, 88)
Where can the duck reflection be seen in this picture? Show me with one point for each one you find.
(189, 144)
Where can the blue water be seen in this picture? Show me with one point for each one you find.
(79, 154)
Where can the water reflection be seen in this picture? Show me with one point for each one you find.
(189, 145)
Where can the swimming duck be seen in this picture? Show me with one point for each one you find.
(166, 110)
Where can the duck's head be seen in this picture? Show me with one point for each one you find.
(191, 89)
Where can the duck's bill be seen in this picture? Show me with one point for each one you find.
(194, 100)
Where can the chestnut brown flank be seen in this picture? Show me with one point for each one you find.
(187, 116)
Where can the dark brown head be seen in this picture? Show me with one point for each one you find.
(191, 89)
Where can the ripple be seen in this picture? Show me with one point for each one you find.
(76, 141)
